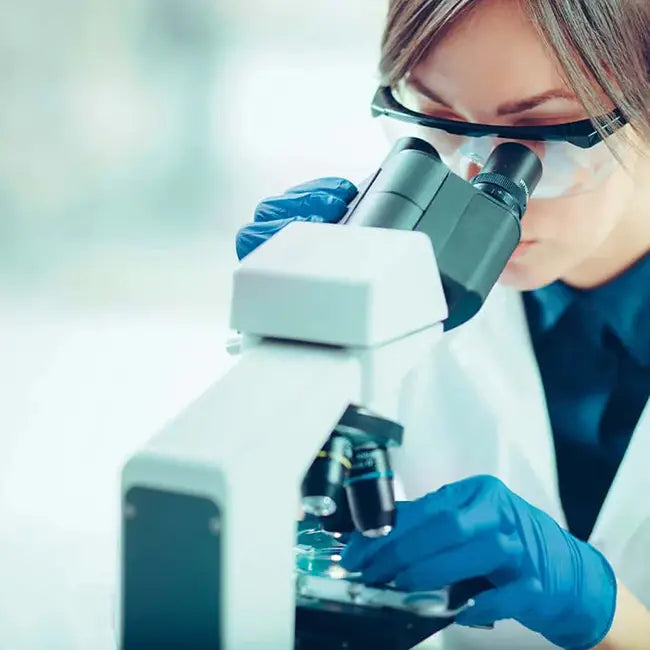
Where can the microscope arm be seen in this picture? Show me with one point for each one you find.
(209, 503)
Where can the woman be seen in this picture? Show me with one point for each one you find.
(547, 495)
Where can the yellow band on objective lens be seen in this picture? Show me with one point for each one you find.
(339, 459)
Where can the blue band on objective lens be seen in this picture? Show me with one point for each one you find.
(369, 476)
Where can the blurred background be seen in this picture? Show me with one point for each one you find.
(136, 137)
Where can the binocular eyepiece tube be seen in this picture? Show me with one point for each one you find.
(474, 225)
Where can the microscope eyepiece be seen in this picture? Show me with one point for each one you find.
(510, 175)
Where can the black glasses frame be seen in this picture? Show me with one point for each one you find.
(581, 134)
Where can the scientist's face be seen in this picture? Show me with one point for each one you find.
(494, 57)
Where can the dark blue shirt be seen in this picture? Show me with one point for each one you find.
(593, 351)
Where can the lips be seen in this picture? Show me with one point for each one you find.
(522, 248)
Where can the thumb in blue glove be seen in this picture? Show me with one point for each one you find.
(321, 200)
(545, 578)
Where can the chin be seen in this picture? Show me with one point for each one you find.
(524, 278)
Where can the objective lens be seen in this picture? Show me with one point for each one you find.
(319, 506)
(322, 488)
(341, 520)
(374, 533)
(369, 487)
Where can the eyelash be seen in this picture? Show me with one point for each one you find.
(541, 121)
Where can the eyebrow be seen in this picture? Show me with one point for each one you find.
(508, 108)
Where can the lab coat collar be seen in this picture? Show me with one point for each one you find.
(496, 352)
(626, 505)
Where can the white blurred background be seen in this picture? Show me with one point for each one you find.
(136, 137)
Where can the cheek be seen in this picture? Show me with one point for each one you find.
(577, 222)
(568, 231)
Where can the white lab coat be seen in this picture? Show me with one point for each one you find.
(477, 406)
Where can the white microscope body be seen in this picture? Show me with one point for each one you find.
(331, 316)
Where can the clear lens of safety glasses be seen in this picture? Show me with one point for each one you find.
(568, 170)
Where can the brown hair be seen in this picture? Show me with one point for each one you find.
(601, 41)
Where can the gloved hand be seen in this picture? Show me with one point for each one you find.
(320, 200)
(543, 577)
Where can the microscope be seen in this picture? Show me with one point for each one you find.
(331, 319)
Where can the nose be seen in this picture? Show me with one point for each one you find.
(472, 170)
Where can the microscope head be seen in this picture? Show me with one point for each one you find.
(473, 225)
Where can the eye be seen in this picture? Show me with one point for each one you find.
(549, 120)
(435, 110)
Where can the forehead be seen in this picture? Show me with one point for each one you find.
(490, 56)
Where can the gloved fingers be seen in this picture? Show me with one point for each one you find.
(359, 548)
(489, 508)
(449, 517)
(252, 235)
(421, 542)
(508, 601)
(338, 187)
(330, 208)
(483, 556)
(412, 531)
(328, 204)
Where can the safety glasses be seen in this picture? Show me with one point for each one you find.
(574, 155)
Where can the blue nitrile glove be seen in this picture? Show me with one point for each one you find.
(543, 577)
(320, 200)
